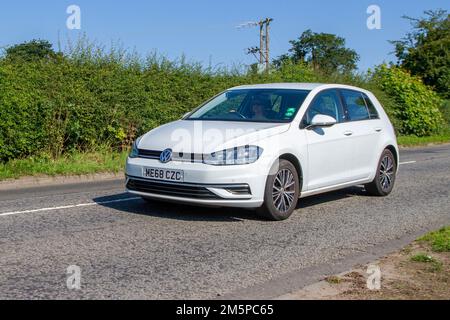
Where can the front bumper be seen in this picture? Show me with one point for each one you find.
(224, 186)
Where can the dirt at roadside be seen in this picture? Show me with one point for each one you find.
(401, 278)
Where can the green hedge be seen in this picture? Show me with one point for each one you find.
(417, 106)
(53, 106)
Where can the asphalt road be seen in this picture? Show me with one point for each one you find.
(127, 249)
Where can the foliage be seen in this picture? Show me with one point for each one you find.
(89, 97)
(436, 265)
(417, 106)
(30, 51)
(445, 110)
(439, 240)
(422, 257)
(323, 51)
(425, 51)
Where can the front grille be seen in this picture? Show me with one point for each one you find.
(151, 154)
(171, 189)
(177, 156)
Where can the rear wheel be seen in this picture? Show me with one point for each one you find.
(384, 180)
(281, 192)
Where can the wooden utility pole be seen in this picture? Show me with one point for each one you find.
(261, 42)
(268, 21)
(264, 42)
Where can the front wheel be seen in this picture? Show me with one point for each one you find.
(281, 192)
(384, 180)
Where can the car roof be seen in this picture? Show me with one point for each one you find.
(298, 86)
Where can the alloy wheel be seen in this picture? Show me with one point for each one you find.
(386, 173)
(283, 190)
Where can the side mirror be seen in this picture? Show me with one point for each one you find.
(321, 120)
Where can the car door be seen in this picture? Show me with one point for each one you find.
(328, 147)
(363, 132)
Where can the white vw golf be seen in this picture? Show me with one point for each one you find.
(266, 146)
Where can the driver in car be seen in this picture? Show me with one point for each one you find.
(259, 110)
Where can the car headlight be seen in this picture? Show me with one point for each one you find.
(234, 156)
(134, 150)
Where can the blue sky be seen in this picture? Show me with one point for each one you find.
(204, 30)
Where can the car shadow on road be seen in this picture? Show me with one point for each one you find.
(186, 212)
(331, 196)
(177, 211)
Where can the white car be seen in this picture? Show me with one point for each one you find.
(265, 146)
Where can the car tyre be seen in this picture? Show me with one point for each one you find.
(385, 177)
(281, 192)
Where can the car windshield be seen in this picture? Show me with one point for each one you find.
(252, 105)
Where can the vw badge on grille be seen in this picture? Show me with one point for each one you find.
(166, 156)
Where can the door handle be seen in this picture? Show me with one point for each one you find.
(348, 133)
(378, 129)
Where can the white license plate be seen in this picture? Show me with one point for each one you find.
(163, 174)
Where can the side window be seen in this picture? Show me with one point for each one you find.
(327, 103)
(356, 105)
(372, 110)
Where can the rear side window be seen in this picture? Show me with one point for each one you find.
(355, 105)
(372, 110)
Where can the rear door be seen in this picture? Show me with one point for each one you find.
(364, 128)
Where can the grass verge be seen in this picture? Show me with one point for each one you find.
(420, 271)
(439, 240)
(74, 163)
(412, 141)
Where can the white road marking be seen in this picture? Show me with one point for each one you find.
(98, 203)
(68, 207)
(407, 162)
